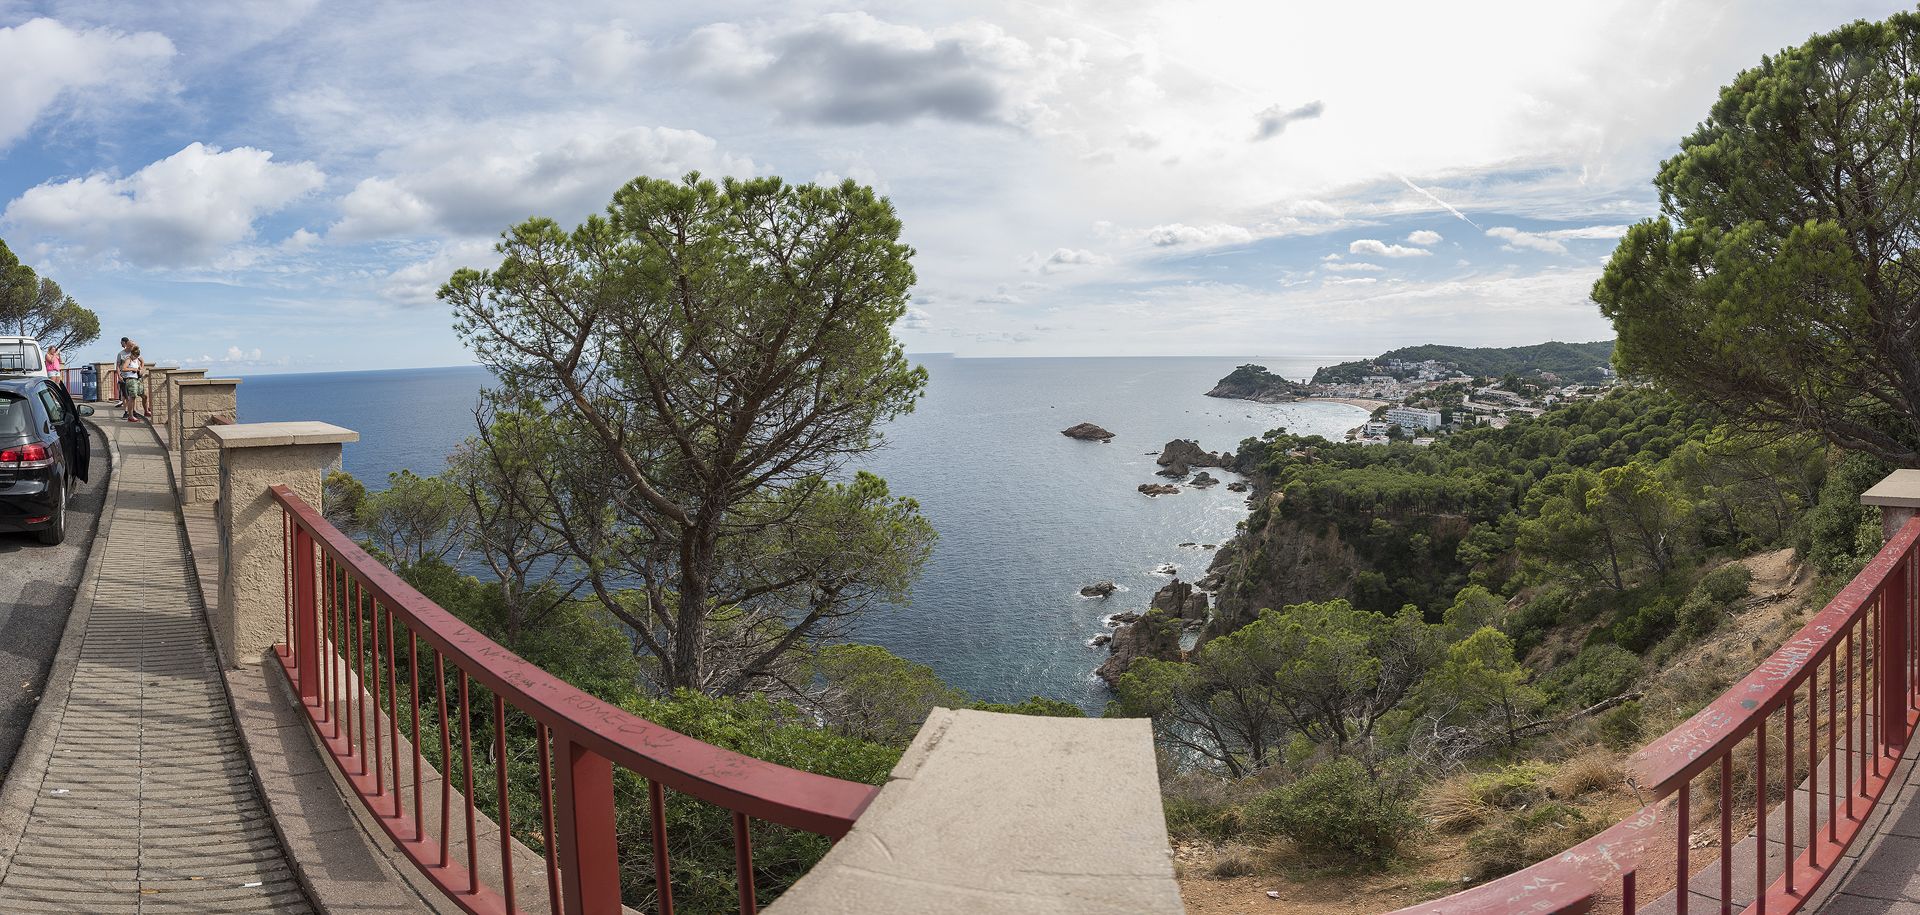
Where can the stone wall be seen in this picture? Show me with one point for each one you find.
(201, 401)
(170, 433)
(162, 393)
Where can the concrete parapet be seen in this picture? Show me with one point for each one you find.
(1005, 813)
(250, 616)
(160, 393)
(1897, 497)
(103, 371)
(171, 433)
(202, 402)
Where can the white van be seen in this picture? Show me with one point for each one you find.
(22, 356)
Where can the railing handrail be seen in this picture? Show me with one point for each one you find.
(1570, 881)
(764, 790)
(1685, 751)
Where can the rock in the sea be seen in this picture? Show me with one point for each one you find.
(1099, 640)
(1087, 432)
(1166, 568)
(1159, 489)
(1254, 382)
(1238, 486)
(1182, 455)
(1155, 635)
(1183, 600)
(1202, 480)
(1122, 618)
(1099, 589)
(1189, 543)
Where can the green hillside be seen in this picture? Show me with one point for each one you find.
(1571, 361)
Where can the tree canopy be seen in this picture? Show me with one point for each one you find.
(1781, 282)
(35, 306)
(696, 367)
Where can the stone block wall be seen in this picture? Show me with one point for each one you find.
(202, 400)
(162, 393)
(170, 432)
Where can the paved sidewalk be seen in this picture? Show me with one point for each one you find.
(141, 796)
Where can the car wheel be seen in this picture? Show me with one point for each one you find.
(56, 530)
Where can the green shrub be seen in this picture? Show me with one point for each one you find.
(1189, 818)
(1524, 837)
(1511, 786)
(1039, 706)
(1621, 726)
(1337, 814)
(1646, 625)
(1726, 584)
(1598, 672)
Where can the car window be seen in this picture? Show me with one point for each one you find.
(55, 410)
(16, 418)
(17, 356)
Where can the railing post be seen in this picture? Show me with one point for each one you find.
(306, 612)
(584, 823)
(250, 617)
(1898, 498)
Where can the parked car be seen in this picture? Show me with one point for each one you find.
(44, 448)
(22, 356)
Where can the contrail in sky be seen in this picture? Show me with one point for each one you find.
(1429, 195)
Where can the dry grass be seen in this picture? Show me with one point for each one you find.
(1454, 806)
(1583, 775)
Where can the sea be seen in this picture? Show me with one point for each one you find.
(1026, 516)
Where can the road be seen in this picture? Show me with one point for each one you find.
(36, 593)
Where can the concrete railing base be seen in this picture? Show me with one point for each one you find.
(1005, 813)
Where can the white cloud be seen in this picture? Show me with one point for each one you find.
(179, 211)
(1378, 248)
(380, 208)
(1066, 259)
(1347, 280)
(480, 178)
(1272, 120)
(1552, 242)
(42, 59)
(1176, 233)
(853, 68)
(419, 283)
(1423, 237)
(1354, 267)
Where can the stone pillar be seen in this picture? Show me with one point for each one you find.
(1897, 497)
(162, 397)
(175, 379)
(203, 402)
(108, 393)
(250, 616)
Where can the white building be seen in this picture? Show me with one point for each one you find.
(1412, 418)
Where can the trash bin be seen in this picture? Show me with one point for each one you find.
(89, 384)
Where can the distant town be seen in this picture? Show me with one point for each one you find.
(1415, 399)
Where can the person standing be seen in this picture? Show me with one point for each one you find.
(55, 369)
(118, 383)
(134, 382)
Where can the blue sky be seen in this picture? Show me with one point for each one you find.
(277, 185)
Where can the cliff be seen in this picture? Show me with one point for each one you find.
(1254, 382)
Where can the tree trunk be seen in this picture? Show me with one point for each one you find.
(690, 629)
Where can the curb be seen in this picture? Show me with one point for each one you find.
(17, 796)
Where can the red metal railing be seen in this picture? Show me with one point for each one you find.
(1839, 696)
(355, 639)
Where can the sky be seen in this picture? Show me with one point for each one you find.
(282, 186)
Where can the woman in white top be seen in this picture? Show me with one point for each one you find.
(134, 374)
